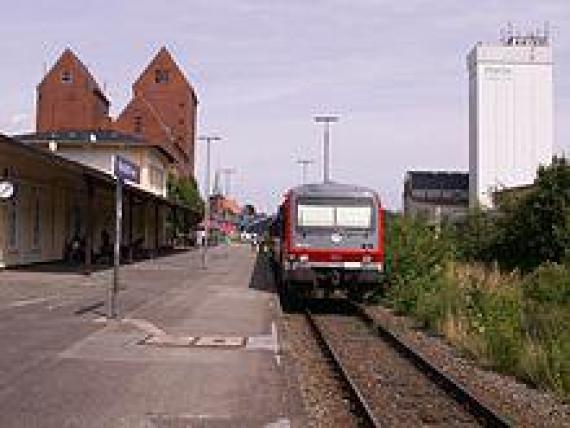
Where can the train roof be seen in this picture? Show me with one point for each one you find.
(333, 189)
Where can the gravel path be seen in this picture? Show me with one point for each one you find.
(525, 406)
(321, 391)
(398, 394)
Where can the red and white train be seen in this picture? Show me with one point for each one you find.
(327, 237)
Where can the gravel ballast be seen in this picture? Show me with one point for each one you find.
(322, 393)
(519, 403)
(398, 393)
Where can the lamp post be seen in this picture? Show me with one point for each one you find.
(326, 119)
(208, 139)
(305, 164)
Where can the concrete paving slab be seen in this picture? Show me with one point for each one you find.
(168, 340)
(65, 367)
(264, 342)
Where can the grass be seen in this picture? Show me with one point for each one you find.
(515, 324)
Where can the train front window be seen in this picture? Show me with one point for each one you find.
(334, 214)
(358, 217)
(315, 216)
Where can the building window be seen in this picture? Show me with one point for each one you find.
(13, 224)
(36, 219)
(161, 76)
(66, 77)
(181, 122)
(138, 124)
(156, 178)
(181, 105)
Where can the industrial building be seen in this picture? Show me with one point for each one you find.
(436, 196)
(510, 113)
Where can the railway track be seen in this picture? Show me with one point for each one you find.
(389, 383)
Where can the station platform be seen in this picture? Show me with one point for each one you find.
(191, 347)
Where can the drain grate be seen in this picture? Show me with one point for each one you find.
(220, 341)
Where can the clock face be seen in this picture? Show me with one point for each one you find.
(6, 189)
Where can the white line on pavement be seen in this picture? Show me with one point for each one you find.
(27, 302)
(145, 326)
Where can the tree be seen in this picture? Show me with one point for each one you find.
(184, 190)
(536, 228)
(527, 229)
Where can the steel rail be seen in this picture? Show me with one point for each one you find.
(362, 410)
(485, 414)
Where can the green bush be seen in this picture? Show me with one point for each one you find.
(547, 323)
(525, 230)
(518, 324)
(415, 256)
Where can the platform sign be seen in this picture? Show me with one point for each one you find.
(124, 169)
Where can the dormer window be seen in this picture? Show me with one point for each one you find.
(66, 77)
(161, 76)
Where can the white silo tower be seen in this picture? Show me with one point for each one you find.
(510, 113)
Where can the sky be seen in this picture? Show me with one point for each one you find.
(394, 72)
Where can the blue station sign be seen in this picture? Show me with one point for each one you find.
(126, 170)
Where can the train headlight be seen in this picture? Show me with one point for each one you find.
(367, 259)
(303, 258)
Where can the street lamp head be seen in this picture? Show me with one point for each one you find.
(324, 118)
(209, 138)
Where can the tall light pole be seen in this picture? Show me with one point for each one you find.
(305, 164)
(228, 179)
(208, 139)
(326, 119)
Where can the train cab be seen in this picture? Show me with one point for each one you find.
(330, 236)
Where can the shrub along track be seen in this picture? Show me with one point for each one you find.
(391, 384)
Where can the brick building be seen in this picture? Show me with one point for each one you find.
(64, 203)
(69, 98)
(162, 110)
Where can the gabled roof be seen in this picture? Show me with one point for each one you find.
(138, 101)
(69, 55)
(162, 58)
